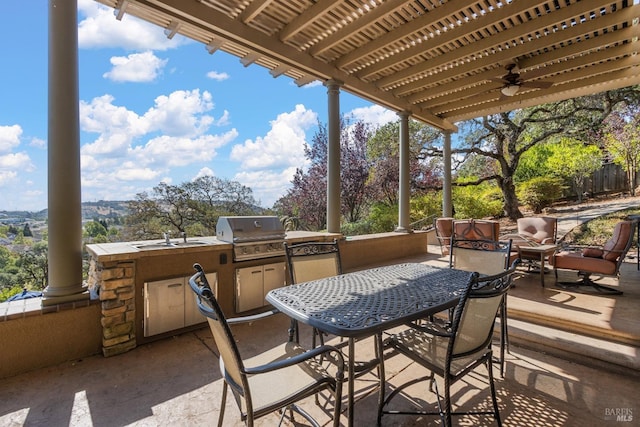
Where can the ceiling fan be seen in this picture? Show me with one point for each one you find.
(512, 81)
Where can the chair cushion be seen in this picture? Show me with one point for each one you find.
(538, 229)
(592, 252)
(575, 261)
(614, 246)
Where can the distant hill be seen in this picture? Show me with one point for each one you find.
(102, 209)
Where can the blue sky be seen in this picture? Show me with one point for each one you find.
(152, 109)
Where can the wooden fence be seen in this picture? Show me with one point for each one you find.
(610, 179)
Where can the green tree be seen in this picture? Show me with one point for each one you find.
(94, 229)
(34, 267)
(192, 207)
(622, 141)
(383, 153)
(504, 138)
(575, 161)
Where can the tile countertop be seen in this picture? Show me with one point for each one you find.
(156, 247)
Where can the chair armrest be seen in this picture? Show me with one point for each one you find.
(302, 357)
(252, 318)
(518, 239)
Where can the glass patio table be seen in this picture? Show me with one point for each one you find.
(368, 302)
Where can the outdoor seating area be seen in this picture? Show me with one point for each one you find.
(177, 380)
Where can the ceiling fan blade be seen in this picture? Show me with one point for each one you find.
(499, 80)
(539, 84)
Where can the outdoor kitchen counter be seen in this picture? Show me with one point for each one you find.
(134, 250)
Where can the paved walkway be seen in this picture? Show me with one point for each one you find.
(572, 216)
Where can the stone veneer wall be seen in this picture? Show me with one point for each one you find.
(114, 282)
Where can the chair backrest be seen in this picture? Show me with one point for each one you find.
(476, 229)
(313, 260)
(475, 314)
(616, 248)
(226, 344)
(487, 257)
(542, 229)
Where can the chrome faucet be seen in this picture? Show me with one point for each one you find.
(167, 237)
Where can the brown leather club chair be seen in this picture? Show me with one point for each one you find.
(605, 260)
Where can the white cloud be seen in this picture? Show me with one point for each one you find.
(267, 185)
(11, 164)
(203, 172)
(100, 29)
(9, 137)
(224, 120)
(282, 146)
(133, 152)
(214, 75)
(16, 161)
(181, 113)
(38, 143)
(375, 115)
(7, 177)
(173, 152)
(267, 165)
(137, 67)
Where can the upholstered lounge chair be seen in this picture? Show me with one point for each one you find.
(541, 230)
(464, 229)
(605, 260)
(444, 230)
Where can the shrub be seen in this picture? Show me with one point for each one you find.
(540, 192)
(477, 201)
(355, 228)
(383, 218)
(426, 207)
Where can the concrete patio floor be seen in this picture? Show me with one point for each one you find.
(176, 381)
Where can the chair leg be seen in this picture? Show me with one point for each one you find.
(223, 403)
(379, 349)
(492, 387)
(446, 413)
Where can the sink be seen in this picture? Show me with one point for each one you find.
(164, 245)
(189, 243)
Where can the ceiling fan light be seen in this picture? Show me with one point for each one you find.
(510, 90)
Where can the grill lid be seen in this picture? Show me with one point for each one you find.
(240, 229)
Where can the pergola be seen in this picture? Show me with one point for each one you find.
(438, 62)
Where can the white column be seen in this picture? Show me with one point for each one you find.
(64, 198)
(404, 187)
(447, 205)
(333, 156)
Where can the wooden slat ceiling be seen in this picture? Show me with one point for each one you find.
(442, 61)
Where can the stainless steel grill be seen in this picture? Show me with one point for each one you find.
(253, 237)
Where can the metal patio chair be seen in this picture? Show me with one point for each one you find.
(456, 351)
(486, 257)
(271, 381)
(309, 261)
